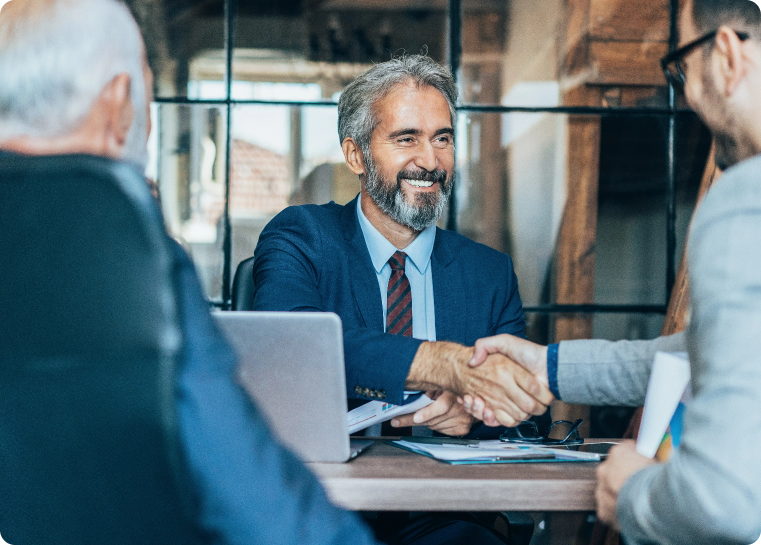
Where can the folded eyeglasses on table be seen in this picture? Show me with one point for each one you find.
(560, 432)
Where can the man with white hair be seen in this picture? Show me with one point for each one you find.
(83, 92)
(75, 81)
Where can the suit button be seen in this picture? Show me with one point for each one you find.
(358, 390)
(381, 394)
(366, 392)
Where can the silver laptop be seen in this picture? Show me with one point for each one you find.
(292, 365)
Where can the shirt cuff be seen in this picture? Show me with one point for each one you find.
(552, 369)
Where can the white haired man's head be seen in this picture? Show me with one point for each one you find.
(56, 59)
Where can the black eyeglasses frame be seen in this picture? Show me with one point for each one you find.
(571, 438)
(677, 77)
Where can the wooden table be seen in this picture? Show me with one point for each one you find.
(386, 478)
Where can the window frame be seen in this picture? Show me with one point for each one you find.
(454, 17)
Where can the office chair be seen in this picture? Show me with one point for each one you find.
(243, 286)
(89, 349)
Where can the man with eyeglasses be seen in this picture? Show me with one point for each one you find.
(710, 489)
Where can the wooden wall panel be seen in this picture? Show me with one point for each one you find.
(576, 43)
(626, 63)
(624, 20)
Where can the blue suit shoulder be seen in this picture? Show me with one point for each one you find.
(303, 228)
(320, 216)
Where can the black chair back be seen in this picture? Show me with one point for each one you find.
(243, 286)
(89, 348)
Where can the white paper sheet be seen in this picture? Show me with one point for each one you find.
(494, 450)
(376, 412)
(668, 382)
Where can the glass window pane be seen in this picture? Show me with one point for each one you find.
(518, 175)
(632, 222)
(282, 155)
(555, 53)
(631, 219)
(632, 327)
(511, 189)
(189, 147)
(177, 34)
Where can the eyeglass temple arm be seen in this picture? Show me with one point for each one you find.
(575, 427)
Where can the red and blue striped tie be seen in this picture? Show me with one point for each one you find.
(398, 317)
(399, 298)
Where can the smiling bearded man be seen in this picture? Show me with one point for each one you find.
(412, 297)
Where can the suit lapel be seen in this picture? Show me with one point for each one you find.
(364, 283)
(448, 295)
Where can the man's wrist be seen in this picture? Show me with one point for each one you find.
(438, 365)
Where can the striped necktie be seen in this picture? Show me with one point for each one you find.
(399, 298)
(398, 316)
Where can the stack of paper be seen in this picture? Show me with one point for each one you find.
(667, 392)
(375, 412)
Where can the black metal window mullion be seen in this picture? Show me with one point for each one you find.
(454, 53)
(229, 14)
(671, 188)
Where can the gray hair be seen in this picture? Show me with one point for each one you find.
(56, 56)
(356, 115)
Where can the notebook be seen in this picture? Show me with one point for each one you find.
(292, 366)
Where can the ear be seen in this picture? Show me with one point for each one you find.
(117, 106)
(353, 156)
(148, 81)
(732, 64)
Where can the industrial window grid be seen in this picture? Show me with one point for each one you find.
(454, 36)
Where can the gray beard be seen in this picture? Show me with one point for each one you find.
(729, 150)
(389, 197)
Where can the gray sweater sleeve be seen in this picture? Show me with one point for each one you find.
(593, 372)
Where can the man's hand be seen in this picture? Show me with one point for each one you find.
(444, 415)
(623, 461)
(530, 355)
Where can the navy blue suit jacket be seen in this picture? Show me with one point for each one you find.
(314, 258)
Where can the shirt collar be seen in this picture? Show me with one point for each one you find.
(419, 251)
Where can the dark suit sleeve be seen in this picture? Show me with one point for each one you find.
(287, 279)
(250, 489)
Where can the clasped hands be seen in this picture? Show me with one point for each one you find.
(526, 357)
(623, 460)
(448, 372)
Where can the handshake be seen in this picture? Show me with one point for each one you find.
(501, 381)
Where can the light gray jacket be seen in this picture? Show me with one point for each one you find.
(710, 490)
